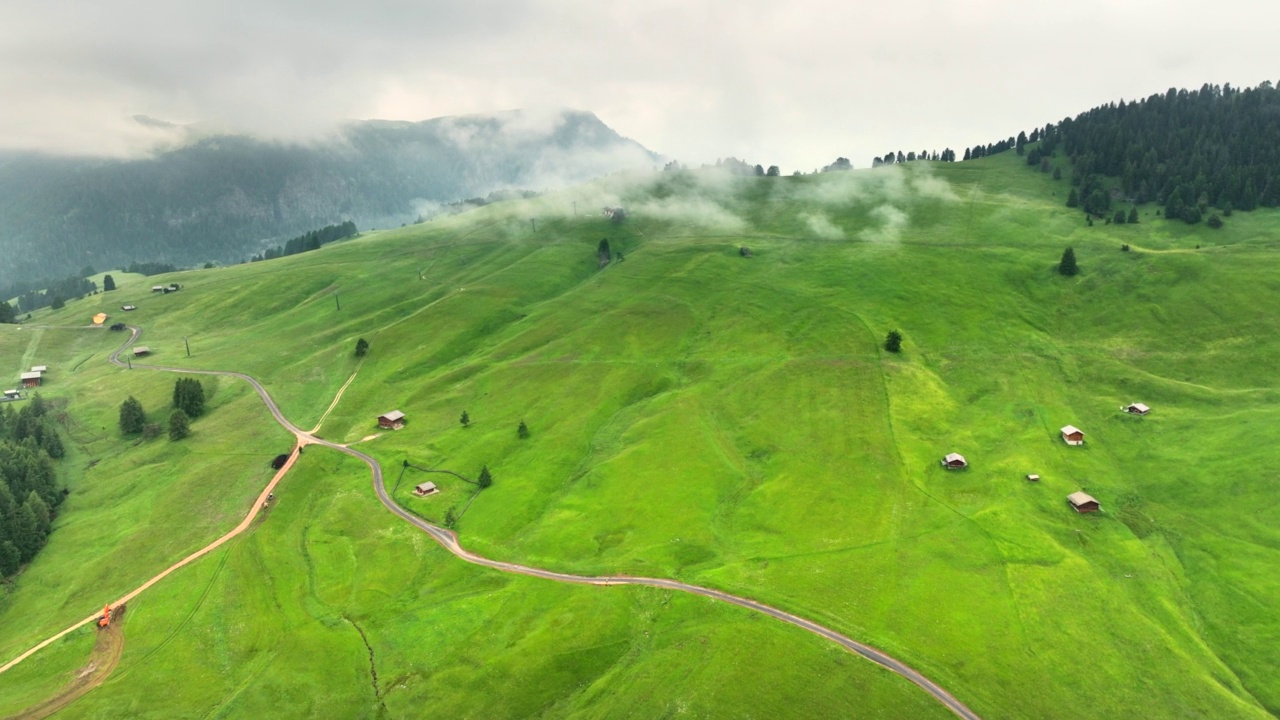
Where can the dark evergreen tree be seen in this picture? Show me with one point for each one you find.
(1073, 198)
(465, 419)
(1133, 215)
(108, 283)
(1119, 217)
(188, 396)
(132, 416)
(10, 558)
(893, 341)
(362, 347)
(485, 479)
(522, 431)
(1067, 266)
(8, 315)
(179, 425)
(1214, 221)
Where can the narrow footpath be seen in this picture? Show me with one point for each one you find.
(449, 541)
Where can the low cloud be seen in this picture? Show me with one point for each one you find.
(890, 219)
(821, 226)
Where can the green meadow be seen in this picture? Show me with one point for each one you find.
(729, 421)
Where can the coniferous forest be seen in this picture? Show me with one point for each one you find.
(29, 493)
(1184, 149)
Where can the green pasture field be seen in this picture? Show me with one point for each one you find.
(729, 421)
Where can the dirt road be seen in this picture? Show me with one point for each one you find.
(449, 540)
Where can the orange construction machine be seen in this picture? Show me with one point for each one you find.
(105, 620)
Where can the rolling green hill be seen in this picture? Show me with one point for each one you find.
(729, 421)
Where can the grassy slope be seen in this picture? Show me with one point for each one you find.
(733, 422)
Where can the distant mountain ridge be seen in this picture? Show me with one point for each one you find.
(222, 198)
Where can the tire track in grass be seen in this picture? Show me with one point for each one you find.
(449, 541)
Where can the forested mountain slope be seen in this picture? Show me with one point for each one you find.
(224, 198)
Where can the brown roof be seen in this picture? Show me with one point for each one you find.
(425, 487)
(1081, 498)
(392, 416)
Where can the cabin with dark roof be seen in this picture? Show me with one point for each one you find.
(1083, 502)
(1136, 409)
(1073, 435)
(954, 461)
(393, 420)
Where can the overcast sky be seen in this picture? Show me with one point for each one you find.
(788, 83)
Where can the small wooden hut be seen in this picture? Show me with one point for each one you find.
(1073, 435)
(393, 420)
(1083, 502)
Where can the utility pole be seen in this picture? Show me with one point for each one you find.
(535, 225)
(184, 342)
(130, 361)
(336, 301)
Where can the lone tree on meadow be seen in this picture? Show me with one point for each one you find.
(362, 347)
(1133, 215)
(188, 396)
(132, 416)
(1067, 266)
(523, 431)
(893, 341)
(602, 252)
(485, 479)
(108, 283)
(179, 425)
(465, 419)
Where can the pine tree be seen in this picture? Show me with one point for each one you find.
(1133, 215)
(132, 416)
(1067, 266)
(522, 431)
(10, 558)
(485, 479)
(25, 532)
(108, 283)
(1073, 198)
(179, 425)
(362, 347)
(188, 396)
(465, 419)
(893, 341)
(1119, 217)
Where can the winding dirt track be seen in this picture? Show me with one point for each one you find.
(449, 540)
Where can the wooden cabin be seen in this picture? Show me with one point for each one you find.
(1083, 502)
(1073, 435)
(425, 489)
(141, 350)
(1136, 409)
(954, 461)
(128, 308)
(393, 420)
(1033, 478)
(40, 368)
(30, 379)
